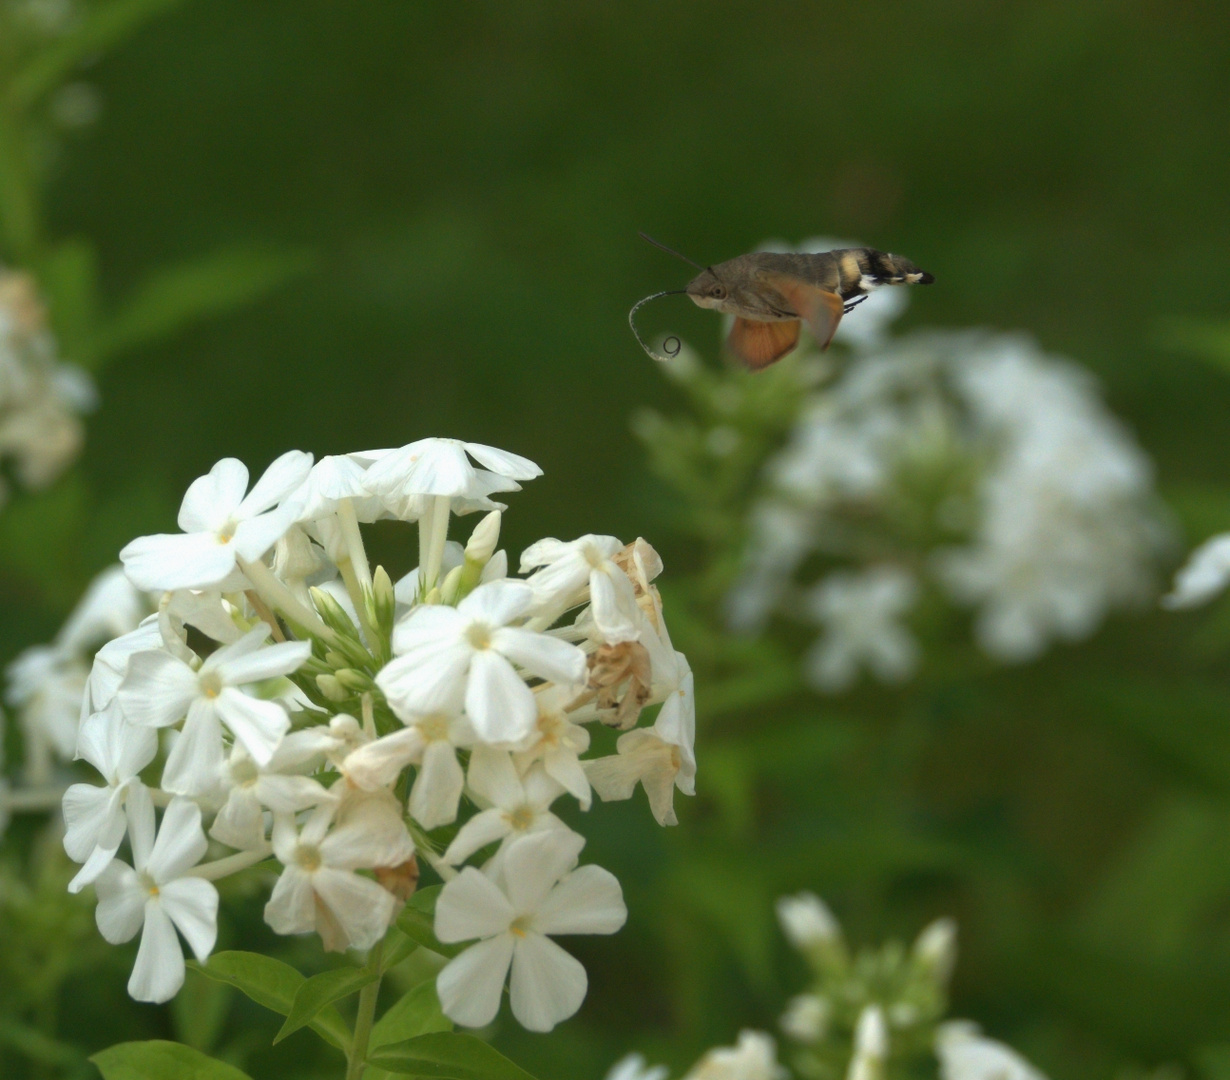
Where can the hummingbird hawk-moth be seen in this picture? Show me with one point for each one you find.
(770, 295)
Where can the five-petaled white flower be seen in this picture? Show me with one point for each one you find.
(579, 569)
(534, 895)
(160, 690)
(448, 657)
(159, 896)
(220, 525)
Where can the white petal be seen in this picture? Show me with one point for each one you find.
(181, 842)
(502, 463)
(258, 724)
(500, 706)
(535, 862)
(541, 654)
(437, 787)
(139, 810)
(469, 986)
(542, 552)
(587, 901)
(289, 793)
(428, 624)
(362, 908)
(614, 605)
(564, 767)
(378, 763)
(257, 535)
(212, 498)
(284, 476)
(240, 823)
(547, 986)
(1204, 574)
(157, 689)
(430, 679)
(192, 905)
(195, 762)
(494, 777)
(100, 858)
(372, 834)
(480, 830)
(121, 903)
(266, 663)
(177, 561)
(87, 811)
(471, 906)
(292, 905)
(159, 971)
(498, 602)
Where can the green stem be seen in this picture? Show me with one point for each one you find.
(367, 1016)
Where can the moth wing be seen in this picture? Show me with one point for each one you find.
(820, 308)
(758, 343)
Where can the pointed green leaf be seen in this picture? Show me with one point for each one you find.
(321, 990)
(416, 1013)
(417, 921)
(273, 984)
(449, 1056)
(180, 295)
(159, 1060)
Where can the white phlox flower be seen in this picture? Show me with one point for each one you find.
(806, 921)
(449, 657)
(870, 1046)
(430, 742)
(160, 690)
(94, 817)
(111, 665)
(519, 804)
(319, 889)
(46, 685)
(157, 896)
(1203, 576)
(635, 1067)
(572, 572)
(558, 741)
(277, 786)
(537, 893)
(221, 525)
(441, 467)
(753, 1058)
(861, 614)
(660, 758)
(965, 1054)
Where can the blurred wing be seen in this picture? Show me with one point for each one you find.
(819, 308)
(758, 344)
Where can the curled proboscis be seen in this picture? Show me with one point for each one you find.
(672, 345)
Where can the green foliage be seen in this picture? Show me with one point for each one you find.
(418, 918)
(161, 1060)
(449, 1055)
(320, 991)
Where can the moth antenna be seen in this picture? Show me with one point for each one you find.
(671, 352)
(670, 251)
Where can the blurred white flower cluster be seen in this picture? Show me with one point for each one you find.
(868, 1016)
(965, 467)
(41, 398)
(284, 699)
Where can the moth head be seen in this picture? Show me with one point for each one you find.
(707, 291)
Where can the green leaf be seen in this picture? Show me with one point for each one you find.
(159, 1060)
(448, 1055)
(319, 991)
(273, 984)
(418, 919)
(416, 1013)
(68, 274)
(199, 289)
(100, 28)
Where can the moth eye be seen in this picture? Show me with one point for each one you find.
(718, 293)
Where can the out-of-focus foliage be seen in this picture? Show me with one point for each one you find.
(472, 179)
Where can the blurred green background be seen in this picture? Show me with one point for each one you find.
(469, 180)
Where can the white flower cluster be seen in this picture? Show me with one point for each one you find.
(964, 464)
(283, 699)
(41, 398)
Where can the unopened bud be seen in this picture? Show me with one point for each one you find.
(334, 615)
(450, 587)
(936, 949)
(806, 921)
(331, 688)
(353, 680)
(383, 597)
(870, 1046)
(483, 540)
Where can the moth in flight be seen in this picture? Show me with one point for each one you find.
(770, 295)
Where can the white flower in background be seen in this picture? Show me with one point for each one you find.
(1203, 576)
(221, 525)
(753, 1058)
(634, 1067)
(806, 921)
(429, 741)
(94, 817)
(870, 1046)
(936, 948)
(157, 896)
(160, 690)
(319, 889)
(449, 657)
(570, 572)
(109, 607)
(519, 804)
(861, 614)
(965, 1054)
(806, 1018)
(660, 758)
(538, 893)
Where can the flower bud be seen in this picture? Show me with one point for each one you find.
(450, 587)
(353, 680)
(331, 688)
(806, 921)
(870, 1046)
(483, 540)
(935, 951)
(383, 598)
